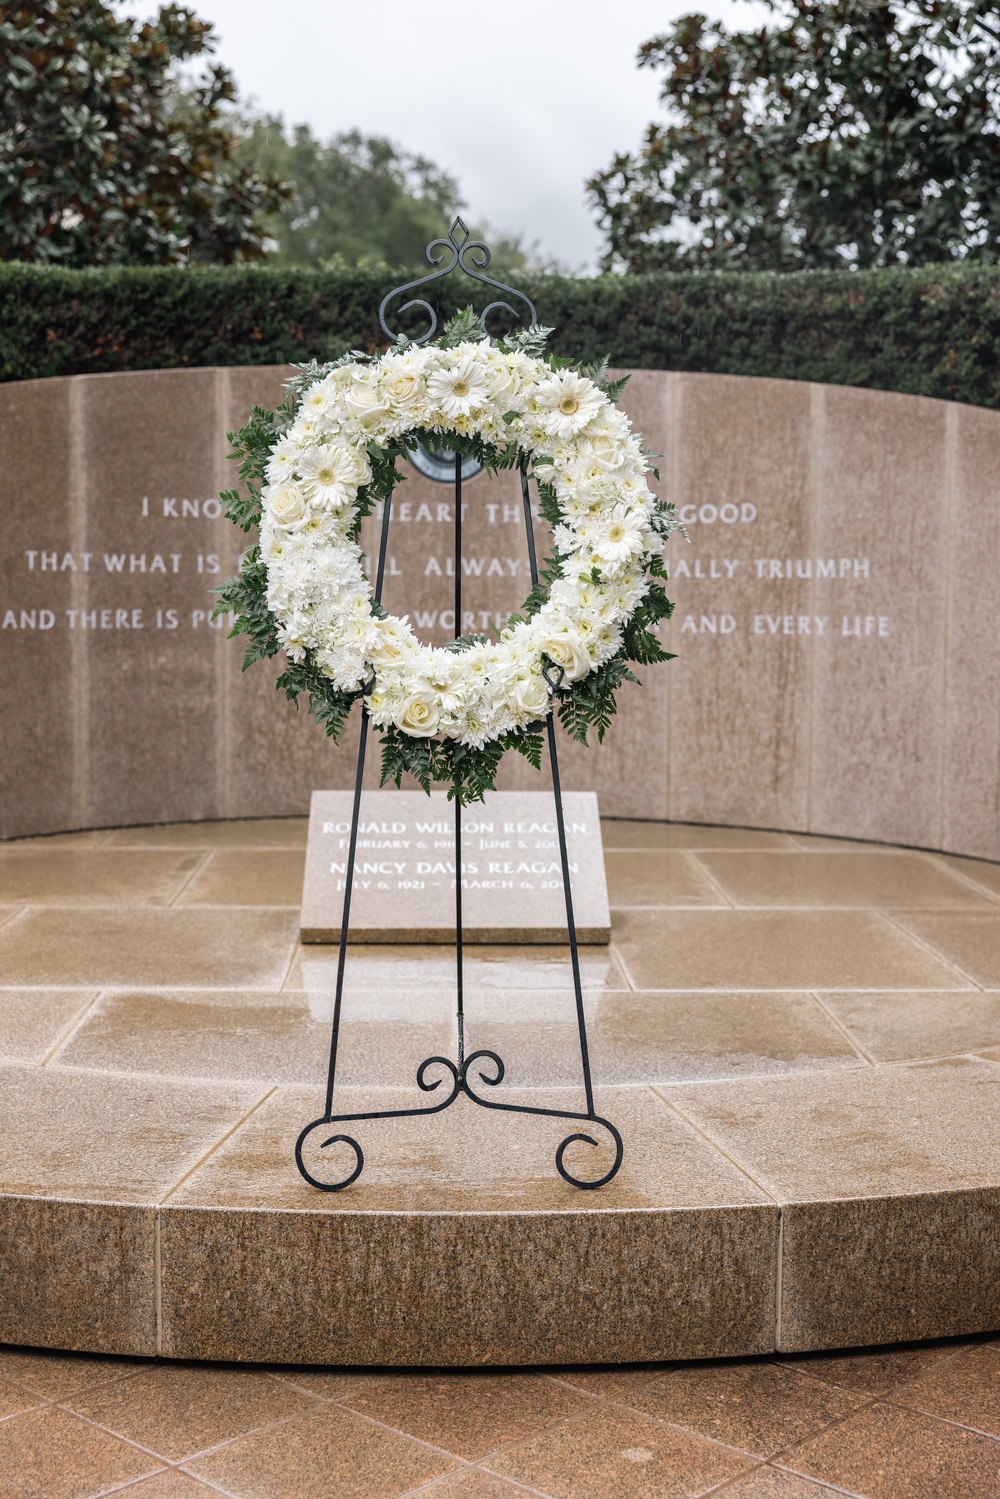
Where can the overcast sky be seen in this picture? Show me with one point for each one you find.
(521, 102)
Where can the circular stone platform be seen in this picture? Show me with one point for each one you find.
(798, 1038)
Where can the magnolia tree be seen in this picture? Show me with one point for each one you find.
(848, 133)
(104, 158)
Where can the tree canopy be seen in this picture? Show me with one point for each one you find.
(360, 199)
(104, 159)
(115, 151)
(354, 197)
(847, 133)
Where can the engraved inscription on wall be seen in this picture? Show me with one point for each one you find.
(832, 620)
(723, 552)
(420, 570)
(178, 578)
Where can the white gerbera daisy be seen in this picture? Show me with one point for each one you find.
(330, 475)
(461, 389)
(566, 403)
(620, 536)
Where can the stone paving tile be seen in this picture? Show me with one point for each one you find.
(813, 841)
(807, 949)
(468, 1415)
(68, 1135)
(32, 1021)
(50, 1454)
(178, 1410)
(654, 877)
(883, 1452)
(969, 940)
(330, 1452)
(472, 1483)
(102, 946)
(772, 1483)
(623, 834)
(93, 876)
(980, 871)
(266, 1035)
(877, 1371)
(911, 1026)
(89, 839)
(756, 1406)
(620, 1452)
(399, 968)
(283, 1037)
(14, 1400)
(330, 1384)
(965, 1389)
(170, 1484)
(466, 1155)
(55, 1375)
(264, 832)
(248, 877)
(827, 879)
(798, 1135)
(669, 1430)
(668, 1037)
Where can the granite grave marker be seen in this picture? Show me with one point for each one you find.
(405, 868)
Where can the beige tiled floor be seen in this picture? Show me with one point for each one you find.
(779, 1021)
(916, 1422)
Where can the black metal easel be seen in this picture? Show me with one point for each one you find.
(466, 1071)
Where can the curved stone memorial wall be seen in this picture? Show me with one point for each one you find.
(838, 665)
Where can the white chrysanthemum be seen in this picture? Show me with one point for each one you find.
(319, 399)
(460, 389)
(281, 464)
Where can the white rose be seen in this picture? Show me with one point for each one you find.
(401, 388)
(565, 648)
(286, 504)
(501, 382)
(363, 401)
(392, 647)
(419, 715)
(531, 696)
(605, 452)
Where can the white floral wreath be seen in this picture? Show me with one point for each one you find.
(609, 530)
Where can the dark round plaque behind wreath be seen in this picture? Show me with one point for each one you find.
(440, 465)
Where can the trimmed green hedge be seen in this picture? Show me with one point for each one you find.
(933, 331)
